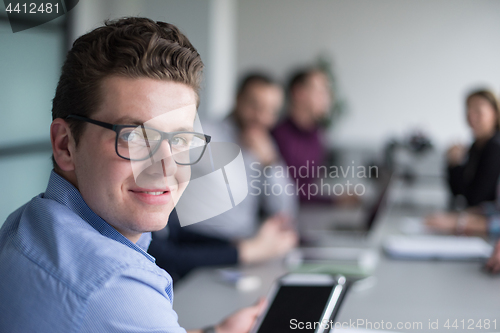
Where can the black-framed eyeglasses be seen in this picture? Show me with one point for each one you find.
(139, 143)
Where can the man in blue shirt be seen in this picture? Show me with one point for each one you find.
(74, 258)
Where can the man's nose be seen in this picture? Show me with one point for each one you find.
(165, 159)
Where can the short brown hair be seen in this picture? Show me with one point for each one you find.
(131, 47)
(490, 97)
(300, 77)
(252, 78)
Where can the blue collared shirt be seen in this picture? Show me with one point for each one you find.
(64, 269)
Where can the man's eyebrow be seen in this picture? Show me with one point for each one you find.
(183, 129)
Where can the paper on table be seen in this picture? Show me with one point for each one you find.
(359, 262)
(437, 247)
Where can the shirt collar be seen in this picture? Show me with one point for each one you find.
(62, 191)
(311, 131)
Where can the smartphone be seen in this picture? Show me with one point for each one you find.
(302, 302)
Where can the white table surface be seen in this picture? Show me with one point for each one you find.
(403, 291)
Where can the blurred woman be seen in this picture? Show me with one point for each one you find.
(474, 174)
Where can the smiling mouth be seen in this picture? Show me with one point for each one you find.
(153, 193)
(152, 196)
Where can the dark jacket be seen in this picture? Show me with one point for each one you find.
(477, 178)
(178, 251)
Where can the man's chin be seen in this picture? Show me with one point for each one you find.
(149, 222)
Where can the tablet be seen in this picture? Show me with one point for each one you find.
(302, 302)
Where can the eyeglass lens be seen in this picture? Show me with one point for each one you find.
(140, 143)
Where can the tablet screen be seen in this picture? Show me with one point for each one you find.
(294, 307)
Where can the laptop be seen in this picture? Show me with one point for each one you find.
(350, 230)
(342, 249)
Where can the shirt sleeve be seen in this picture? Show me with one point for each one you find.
(494, 225)
(135, 301)
(484, 184)
(184, 251)
(455, 179)
(280, 196)
(488, 208)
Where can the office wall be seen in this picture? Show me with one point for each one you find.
(29, 70)
(400, 64)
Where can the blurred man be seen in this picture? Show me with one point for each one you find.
(74, 259)
(258, 103)
(299, 136)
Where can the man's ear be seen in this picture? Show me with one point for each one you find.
(63, 144)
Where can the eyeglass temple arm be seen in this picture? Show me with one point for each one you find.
(92, 121)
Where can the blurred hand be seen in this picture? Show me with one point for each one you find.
(275, 238)
(493, 264)
(475, 224)
(242, 320)
(443, 222)
(476, 210)
(456, 154)
(346, 200)
(259, 142)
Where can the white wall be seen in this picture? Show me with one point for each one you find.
(400, 64)
(221, 64)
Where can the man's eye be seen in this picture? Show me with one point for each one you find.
(178, 141)
(130, 137)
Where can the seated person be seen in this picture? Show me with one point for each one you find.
(73, 259)
(299, 136)
(258, 102)
(475, 175)
(482, 220)
(178, 250)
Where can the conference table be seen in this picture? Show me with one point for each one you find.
(404, 296)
